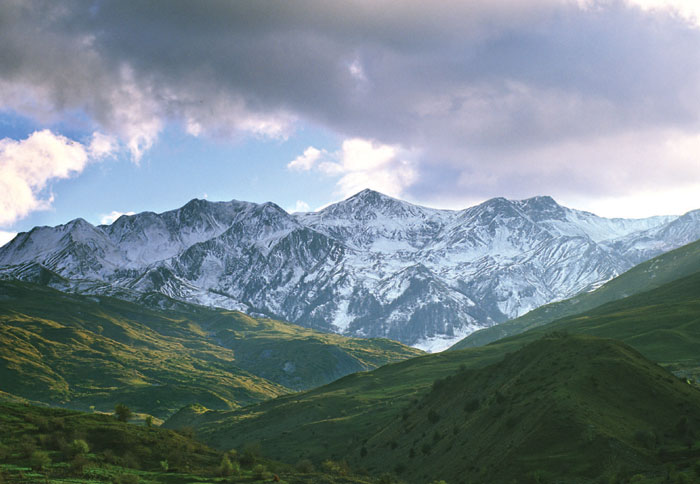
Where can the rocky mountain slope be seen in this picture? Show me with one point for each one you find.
(368, 266)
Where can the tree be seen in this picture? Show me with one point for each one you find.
(149, 421)
(226, 467)
(122, 412)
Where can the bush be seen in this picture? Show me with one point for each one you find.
(126, 479)
(259, 472)
(164, 465)
(334, 467)
(251, 454)
(39, 460)
(78, 464)
(149, 421)
(122, 412)
(305, 466)
(228, 468)
(77, 447)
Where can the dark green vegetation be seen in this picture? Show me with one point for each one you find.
(651, 274)
(349, 415)
(564, 408)
(62, 446)
(94, 352)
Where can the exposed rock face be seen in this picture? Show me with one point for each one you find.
(370, 265)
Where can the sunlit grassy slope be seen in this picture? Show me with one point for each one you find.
(340, 418)
(83, 351)
(653, 273)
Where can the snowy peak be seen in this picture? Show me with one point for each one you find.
(542, 208)
(371, 265)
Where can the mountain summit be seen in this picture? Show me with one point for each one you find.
(367, 266)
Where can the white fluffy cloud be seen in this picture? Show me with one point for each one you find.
(306, 160)
(5, 237)
(361, 164)
(28, 166)
(110, 217)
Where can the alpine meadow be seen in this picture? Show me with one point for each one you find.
(362, 242)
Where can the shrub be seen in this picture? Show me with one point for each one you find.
(27, 446)
(39, 460)
(259, 472)
(149, 421)
(251, 454)
(77, 447)
(164, 465)
(126, 479)
(78, 463)
(228, 468)
(335, 467)
(305, 466)
(122, 412)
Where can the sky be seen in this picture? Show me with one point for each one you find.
(113, 107)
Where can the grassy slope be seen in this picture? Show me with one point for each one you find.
(570, 408)
(87, 351)
(333, 420)
(653, 273)
(118, 449)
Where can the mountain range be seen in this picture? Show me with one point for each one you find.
(368, 266)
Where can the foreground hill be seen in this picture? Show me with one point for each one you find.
(563, 408)
(656, 272)
(368, 266)
(97, 351)
(338, 419)
(41, 445)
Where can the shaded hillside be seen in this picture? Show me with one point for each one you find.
(656, 272)
(57, 446)
(332, 421)
(563, 408)
(83, 351)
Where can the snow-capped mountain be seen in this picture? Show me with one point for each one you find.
(369, 266)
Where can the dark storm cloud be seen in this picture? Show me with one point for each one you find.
(468, 85)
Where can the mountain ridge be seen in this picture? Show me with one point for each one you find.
(345, 268)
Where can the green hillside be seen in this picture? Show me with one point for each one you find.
(335, 420)
(561, 409)
(88, 351)
(56, 446)
(653, 273)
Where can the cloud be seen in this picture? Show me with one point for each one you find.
(5, 237)
(109, 218)
(473, 90)
(361, 164)
(306, 160)
(28, 166)
(300, 206)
